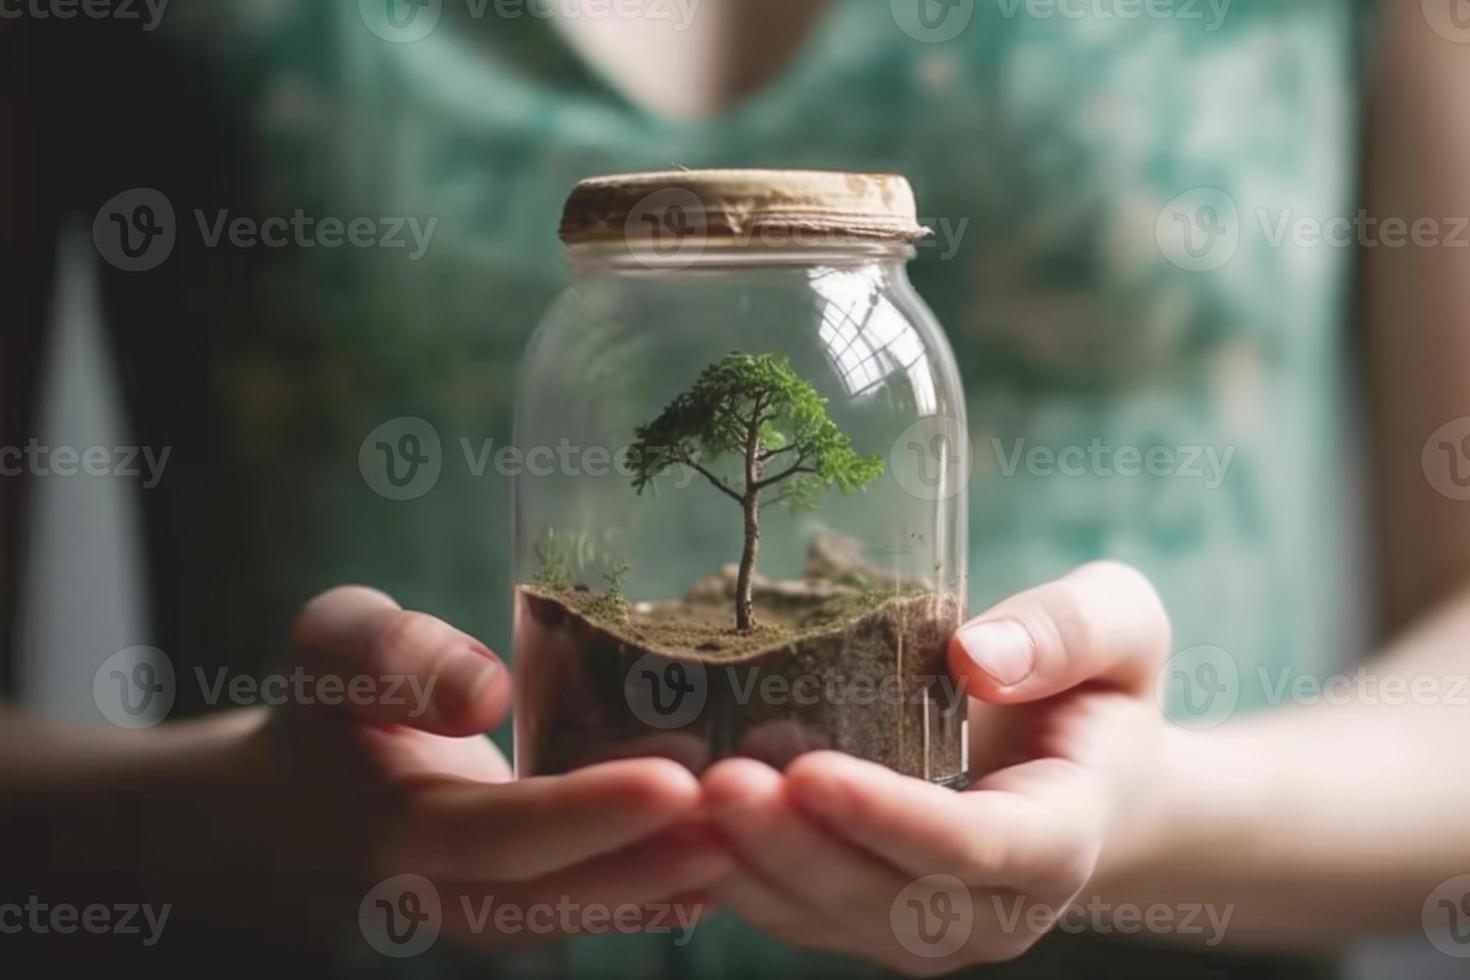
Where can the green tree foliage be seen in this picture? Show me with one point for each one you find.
(756, 408)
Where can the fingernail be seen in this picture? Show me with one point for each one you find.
(1002, 648)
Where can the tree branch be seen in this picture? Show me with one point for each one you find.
(757, 406)
(766, 457)
(783, 495)
(792, 470)
(719, 484)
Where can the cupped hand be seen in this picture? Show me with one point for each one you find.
(399, 780)
(1067, 739)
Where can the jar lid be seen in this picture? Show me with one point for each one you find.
(756, 208)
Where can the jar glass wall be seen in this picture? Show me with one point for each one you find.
(629, 547)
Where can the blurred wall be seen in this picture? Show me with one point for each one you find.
(82, 599)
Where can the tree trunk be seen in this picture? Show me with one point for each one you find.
(750, 502)
(743, 611)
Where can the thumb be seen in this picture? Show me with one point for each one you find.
(400, 667)
(1101, 623)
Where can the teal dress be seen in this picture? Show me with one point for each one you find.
(1084, 177)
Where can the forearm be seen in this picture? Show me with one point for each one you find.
(88, 811)
(1316, 823)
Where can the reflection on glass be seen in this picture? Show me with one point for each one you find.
(867, 339)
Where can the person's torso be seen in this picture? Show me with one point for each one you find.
(1164, 394)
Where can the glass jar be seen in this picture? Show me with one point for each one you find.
(739, 518)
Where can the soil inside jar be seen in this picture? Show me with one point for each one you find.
(828, 664)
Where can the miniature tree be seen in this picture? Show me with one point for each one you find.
(757, 408)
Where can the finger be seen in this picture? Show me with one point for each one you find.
(836, 896)
(650, 886)
(845, 889)
(1103, 622)
(415, 758)
(532, 827)
(763, 906)
(776, 743)
(400, 667)
(1037, 830)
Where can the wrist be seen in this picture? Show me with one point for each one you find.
(1204, 809)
